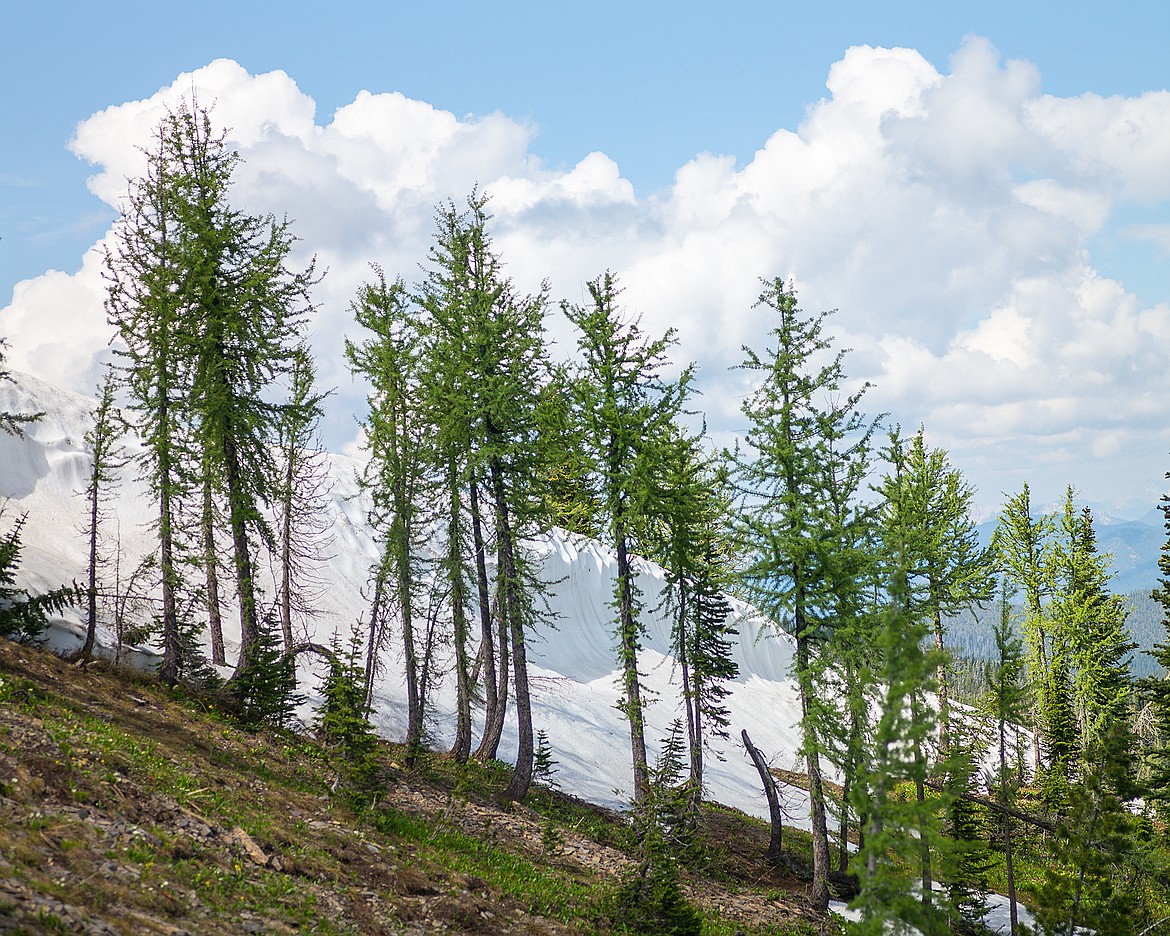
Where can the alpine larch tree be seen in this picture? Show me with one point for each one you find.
(395, 477)
(209, 315)
(805, 456)
(628, 412)
(485, 363)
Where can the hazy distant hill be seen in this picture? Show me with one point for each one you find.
(1133, 544)
(971, 634)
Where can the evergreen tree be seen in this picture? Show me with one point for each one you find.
(395, 477)
(23, 616)
(209, 314)
(1156, 690)
(1008, 706)
(689, 542)
(12, 423)
(627, 412)
(544, 765)
(301, 498)
(807, 454)
(906, 726)
(107, 458)
(951, 572)
(145, 301)
(264, 692)
(244, 316)
(341, 720)
(1022, 545)
(649, 898)
(1095, 839)
(485, 359)
(1091, 621)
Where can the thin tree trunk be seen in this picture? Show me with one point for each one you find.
(172, 651)
(245, 582)
(691, 701)
(627, 628)
(944, 708)
(1009, 871)
(525, 748)
(923, 844)
(843, 824)
(920, 794)
(86, 650)
(410, 659)
(777, 818)
(493, 730)
(487, 637)
(461, 749)
(1090, 835)
(286, 547)
(374, 636)
(211, 565)
(819, 890)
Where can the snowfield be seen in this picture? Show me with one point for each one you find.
(572, 659)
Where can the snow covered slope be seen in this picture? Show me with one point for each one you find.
(572, 659)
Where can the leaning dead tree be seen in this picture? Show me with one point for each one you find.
(771, 792)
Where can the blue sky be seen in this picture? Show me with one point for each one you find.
(652, 86)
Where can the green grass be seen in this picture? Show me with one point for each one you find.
(169, 749)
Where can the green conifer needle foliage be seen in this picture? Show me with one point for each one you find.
(342, 721)
(265, 687)
(649, 899)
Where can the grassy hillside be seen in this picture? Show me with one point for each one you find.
(126, 808)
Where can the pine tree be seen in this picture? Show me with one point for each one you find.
(1091, 620)
(145, 301)
(627, 412)
(688, 540)
(649, 898)
(1095, 838)
(12, 423)
(209, 315)
(23, 616)
(341, 720)
(544, 765)
(485, 357)
(243, 320)
(807, 451)
(906, 726)
(265, 690)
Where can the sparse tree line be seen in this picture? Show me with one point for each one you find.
(852, 539)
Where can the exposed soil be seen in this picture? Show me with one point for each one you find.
(127, 810)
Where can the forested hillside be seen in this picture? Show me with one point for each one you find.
(530, 561)
(971, 634)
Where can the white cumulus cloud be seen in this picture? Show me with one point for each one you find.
(948, 216)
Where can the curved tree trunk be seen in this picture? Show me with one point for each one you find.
(775, 842)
